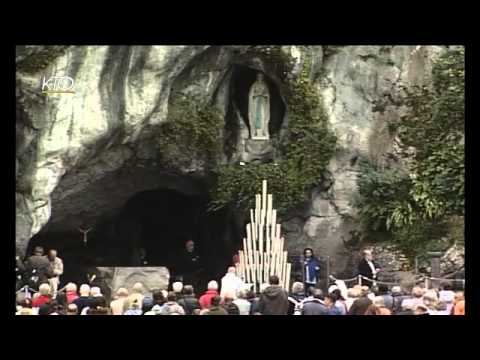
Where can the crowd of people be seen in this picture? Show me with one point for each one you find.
(233, 297)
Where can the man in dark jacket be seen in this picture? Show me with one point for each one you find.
(189, 302)
(230, 307)
(274, 299)
(253, 302)
(314, 305)
(190, 265)
(215, 308)
(368, 268)
(39, 265)
(84, 300)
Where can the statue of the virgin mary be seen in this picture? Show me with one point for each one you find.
(259, 109)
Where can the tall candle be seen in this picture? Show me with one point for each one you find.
(252, 221)
(269, 208)
(274, 222)
(264, 194)
(284, 269)
(289, 269)
(245, 247)
(258, 208)
(267, 243)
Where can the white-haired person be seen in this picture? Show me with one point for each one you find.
(295, 298)
(206, 299)
(95, 291)
(71, 292)
(431, 301)
(231, 284)
(45, 295)
(242, 303)
(117, 305)
(57, 267)
(136, 296)
(95, 296)
(177, 288)
(409, 304)
(352, 294)
(368, 268)
(84, 300)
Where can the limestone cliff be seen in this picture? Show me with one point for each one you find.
(84, 154)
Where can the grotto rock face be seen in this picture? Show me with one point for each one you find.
(112, 278)
(359, 88)
(121, 94)
(82, 155)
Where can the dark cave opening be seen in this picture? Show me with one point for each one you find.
(159, 221)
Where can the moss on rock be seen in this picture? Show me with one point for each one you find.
(38, 61)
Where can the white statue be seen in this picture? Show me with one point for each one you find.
(259, 109)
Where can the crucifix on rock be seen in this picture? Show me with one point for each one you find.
(85, 232)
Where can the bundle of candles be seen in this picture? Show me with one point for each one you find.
(263, 254)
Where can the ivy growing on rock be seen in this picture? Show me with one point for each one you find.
(273, 57)
(193, 131)
(34, 63)
(425, 202)
(309, 147)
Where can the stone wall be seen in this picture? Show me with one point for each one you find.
(72, 143)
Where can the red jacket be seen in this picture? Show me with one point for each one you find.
(42, 299)
(206, 298)
(71, 295)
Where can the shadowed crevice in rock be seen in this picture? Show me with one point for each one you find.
(112, 89)
(158, 213)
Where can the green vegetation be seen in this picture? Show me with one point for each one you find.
(424, 202)
(193, 131)
(306, 153)
(39, 61)
(274, 58)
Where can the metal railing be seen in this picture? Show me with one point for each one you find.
(427, 280)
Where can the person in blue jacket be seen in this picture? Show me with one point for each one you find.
(311, 269)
